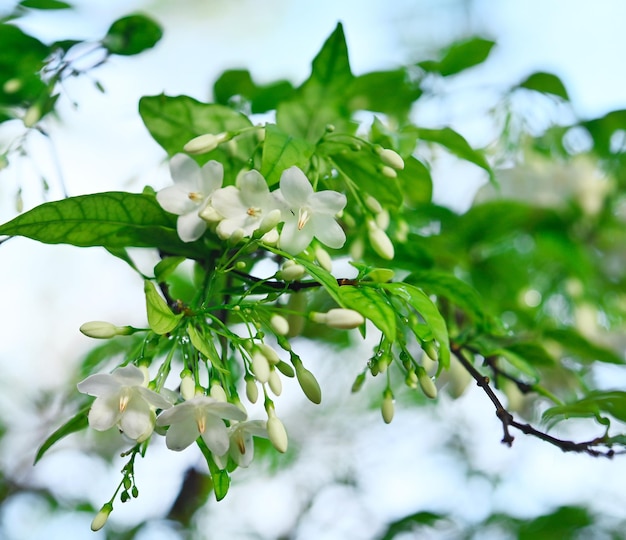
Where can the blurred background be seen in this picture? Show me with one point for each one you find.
(349, 475)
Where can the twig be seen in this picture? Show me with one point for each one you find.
(508, 420)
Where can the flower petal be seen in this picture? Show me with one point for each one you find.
(215, 435)
(295, 187)
(211, 176)
(328, 202)
(190, 226)
(153, 398)
(185, 172)
(254, 189)
(227, 201)
(138, 418)
(100, 384)
(175, 199)
(181, 434)
(129, 376)
(239, 440)
(294, 240)
(226, 410)
(177, 413)
(104, 413)
(327, 231)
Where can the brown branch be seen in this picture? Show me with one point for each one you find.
(508, 420)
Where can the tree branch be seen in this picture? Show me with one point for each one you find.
(598, 447)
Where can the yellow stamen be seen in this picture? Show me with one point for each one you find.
(124, 399)
(195, 196)
(241, 445)
(303, 217)
(201, 423)
(253, 212)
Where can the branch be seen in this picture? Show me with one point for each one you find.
(508, 420)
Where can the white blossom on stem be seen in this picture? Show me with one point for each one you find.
(122, 399)
(190, 194)
(308, 214)
(201, 416)
(247, 206)
(241, 444)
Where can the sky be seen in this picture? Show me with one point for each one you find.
(100, 144)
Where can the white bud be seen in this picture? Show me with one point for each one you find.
(342, 319)
(270, 238)
(217, 392)
(32, 116)
(387, 408)
(252, 390)
(269, 353)
(274, 382)
(388, 172)
(379, 241)
(11, 86)
(187, 387)
(279, 324)
(260, 366)
(382, 219)
(323, 258)
(210, 215)
(291, 272)
(391, 158)
(270, 220)
(427, 385)
(356, 249)
(101, 517)
(104, 330)
(277, 433)
(431, 351)
(373, 204)
(204, 143)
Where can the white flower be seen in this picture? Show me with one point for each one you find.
(190, 194)
(241, 446)
(123, 399)
(200, 416)
(247, 207)
(308, 214)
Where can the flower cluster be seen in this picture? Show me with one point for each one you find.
(249, 207)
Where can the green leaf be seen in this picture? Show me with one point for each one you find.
(321, 100)
(577, 345)
(324, 278)
(419, 301)
(460, 56)
(415, 182)
(281, 151)
(592, 405)
(174, 121)
(389, 92)
(166, 266)
(160, 317)
(220, 478)
(238, 82)
(457, 145)
(546, 83)
(602, 130)
(44, 4)
(113, 220)
(363, 168)
(206, 347)
(458, 292)
(131, 35)
(372, 303)
(22, 57)
(77, 423)
(411, 523)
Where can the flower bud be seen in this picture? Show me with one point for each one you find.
(101, 517)
(358, 383)
(187, 387)
(269, 221)
(308, 383)
(204, 143)
(104, 330)
(32, 116)
(210, 215)
(427, 385)
(387, 408)
(296, 304)
(380, 275)
(411, 379)
(11, 86)
(382, 219)
(276, 432)
(218, 393)
(285, 369)
(430, 348)
(373, 204)
(391, 158)
(274, 382)
(342, 319)
(323, 258)
(270, 237)
(291, 271)
(379, 241)
(279, 324)
(388, 172)
(269, 353)
(260, 366)
(252, 390)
